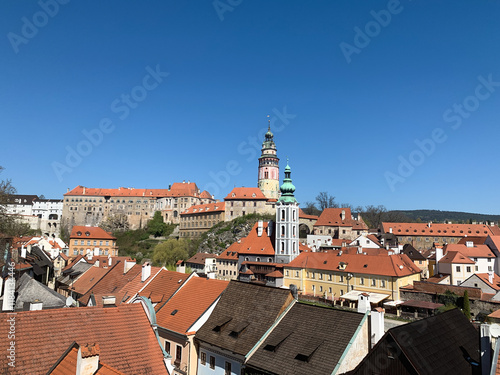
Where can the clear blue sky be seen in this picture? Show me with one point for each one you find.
(355, 103)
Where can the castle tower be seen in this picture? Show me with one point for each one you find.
(269, 171)
(287, 222)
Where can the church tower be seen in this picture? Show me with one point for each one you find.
(287, 222)
(269, 171)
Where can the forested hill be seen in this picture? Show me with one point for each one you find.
(441, 216)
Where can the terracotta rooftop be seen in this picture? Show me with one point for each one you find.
(243, 193)
(485, 277)
(456, 257)
(439, 230)
(333, 217)
(163, 285)
(205, 208)
(303, 215)
(477, 251)
(83, 232)
(231, 253)
(475, 240)
(181, 311)
(86, 281)
(121, 332)
(397, 265)
(177, 189)
(199, 258)
(253, 244)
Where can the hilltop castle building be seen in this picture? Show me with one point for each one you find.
(269, 171)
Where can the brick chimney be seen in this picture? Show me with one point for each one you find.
(87, 362)
(146, 271)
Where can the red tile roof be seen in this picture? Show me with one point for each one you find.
(164, 284)
(189, 303)
(333, 217)
(231, 253)
(205, 194)
(253, 244)
(177, 189)
(303, 215)
(89, 278)
(90, 233)
(455, 257)
(124, 334)
(485, 277)
(205, 208)
(475, 240)
(199, 258)
(242, 193)
(441, 230)
(478, 251)
(133, 287)
(397, 265)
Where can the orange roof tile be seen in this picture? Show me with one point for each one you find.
(456, 257)
(205, 208)
(133, 287)
(205, 194)
(165, 283)
(485, 277)
(180, 312)
(478, 251)
(398, 265)
(231, 253)
(441, 230)
(83, 232)
(89, 278)
(243, 193)
(333, 217)
(303, 215)
(199, 258)
(253, 244)
(122, 333)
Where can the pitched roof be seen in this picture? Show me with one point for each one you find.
(205, 208)
(441, 230)
(485, 278)
(231, 253)
(315, 347)
(233, 324)
(133, 287)
(83, 232)
(205, 194)
(85, 282)
(181, 311)
(455, 257)
(178, 189)
(253, 244)
(199, 258)
(303, 215)
(243, 193)
(442, 344)
(28, 290)
(477, 251)
(163, 285)
(413, 253)
(122, 332)
(397, 265)
(333, 217)
(474, 239)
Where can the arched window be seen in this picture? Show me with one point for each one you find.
(283, 214)
(282, 231)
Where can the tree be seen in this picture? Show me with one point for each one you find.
(373, 215)
(466, 309)
(170, 251)
(326, 200)
(115, 223)
(156, 226)
(310, 209)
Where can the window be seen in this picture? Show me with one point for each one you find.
(320, 276)
(75, 251)
(287, 273)
(490, 268)
(361, 281)
(82, 242)
(458, 268)
(341, 279)
(296, 273)
(227, 370)
(330, 277)
(468, 269)
(312, 275)
(382, 283)
(489, 260)
(203, 358)
(76, 242)
(330, 290)
(374, 282)
(477, 268)
(320, 288)
(178, 353)
(212, 362)
(167, 346)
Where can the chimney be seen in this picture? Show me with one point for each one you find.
(110, 260)
(270, 226)
(127, 266)
(377, 325)
(36, 305)
(343, 215)
(23, 252)
(68, 190)
(260, 228)
(84, 190)
(439, 255)
(469, 244)
(364, 303)
(429, 224)
(146, 271)
(490, 277)
(87, 361)
(390, 230)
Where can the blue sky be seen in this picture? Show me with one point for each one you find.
(380, 102)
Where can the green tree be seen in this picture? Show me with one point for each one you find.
(466, 309)
(156, 226)
(170, 251)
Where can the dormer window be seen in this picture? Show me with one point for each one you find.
(87, 233)
(253, 195)
(233, 195)
(78, 233)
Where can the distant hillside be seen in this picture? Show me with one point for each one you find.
(441, 216)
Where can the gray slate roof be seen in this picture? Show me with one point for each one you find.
(308, 340)
(243, 315)
(76, 271)
(30, 290)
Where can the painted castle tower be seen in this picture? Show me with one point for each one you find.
(287, 222)
(269, 171)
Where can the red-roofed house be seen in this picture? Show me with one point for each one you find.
(242, 201)
(182, 315)
(488, 282)
(340, 223)
(126, 340)
(91, 240)
(457, 265)
(200, 218)
(333, 274)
